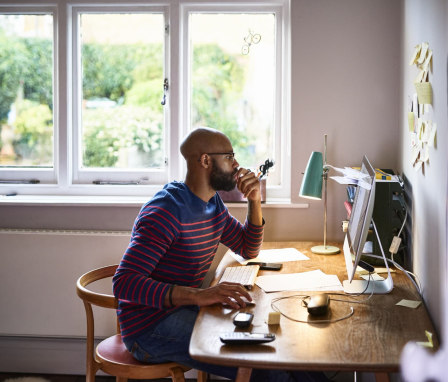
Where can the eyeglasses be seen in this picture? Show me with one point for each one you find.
(230, 156)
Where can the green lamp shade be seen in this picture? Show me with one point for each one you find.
(312, 180)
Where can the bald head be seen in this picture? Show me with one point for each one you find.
(203, 140)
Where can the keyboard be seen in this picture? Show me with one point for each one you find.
(244, 275)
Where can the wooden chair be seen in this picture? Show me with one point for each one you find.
(111, 355)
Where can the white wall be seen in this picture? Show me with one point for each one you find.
(426, 21)
(346, 83)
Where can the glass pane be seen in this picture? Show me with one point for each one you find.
(233, 80)
(122, 88)
(26, 91)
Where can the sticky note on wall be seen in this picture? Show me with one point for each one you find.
(411, 120)
(424, 92)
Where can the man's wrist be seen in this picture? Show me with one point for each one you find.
(254, 213)
(181, 295)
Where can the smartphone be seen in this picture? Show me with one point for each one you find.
(267, 266)
(243, 319)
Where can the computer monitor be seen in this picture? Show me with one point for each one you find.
(357, 231)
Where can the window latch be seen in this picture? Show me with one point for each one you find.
(21, 181)
(165, 91)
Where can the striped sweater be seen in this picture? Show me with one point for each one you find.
(173, 241)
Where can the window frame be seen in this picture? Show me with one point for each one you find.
(282, 110)
(44, 174)
(64, 178)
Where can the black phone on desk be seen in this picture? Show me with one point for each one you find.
(267, 266)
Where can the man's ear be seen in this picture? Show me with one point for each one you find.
(205, 161)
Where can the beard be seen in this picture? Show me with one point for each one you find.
(220, 180)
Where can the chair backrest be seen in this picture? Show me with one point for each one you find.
(90, 297)
(99, 299)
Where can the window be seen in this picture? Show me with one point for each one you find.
(115, 88)
(26, 94)
(120, 134)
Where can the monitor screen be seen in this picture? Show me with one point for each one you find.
(361, 216)
(357, 231)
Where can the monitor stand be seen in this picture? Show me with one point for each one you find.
(365, 286)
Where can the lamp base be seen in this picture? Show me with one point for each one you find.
(325, 250)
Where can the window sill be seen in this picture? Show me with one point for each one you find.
(115, 201)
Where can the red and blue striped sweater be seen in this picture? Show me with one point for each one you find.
(173, 241)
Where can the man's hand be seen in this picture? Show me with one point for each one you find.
(249, 184)
(223, 293)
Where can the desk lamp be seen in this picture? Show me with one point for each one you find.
(316, 173)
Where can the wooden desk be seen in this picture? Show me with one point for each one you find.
(371, 340)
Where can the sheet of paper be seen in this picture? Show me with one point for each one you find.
(432, 136)
(274, 256)
(305, 281)
(344, 180)
(418, 165)
(361, 271)
(424, 154)
(375, 277)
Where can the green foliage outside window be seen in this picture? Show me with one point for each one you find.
(34, 131)
(127, 75)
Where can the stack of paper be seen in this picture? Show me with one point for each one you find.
(305, 281)
(274, 256)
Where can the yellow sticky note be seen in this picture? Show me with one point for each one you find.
(415, 55)
(383, 270)
(420, 127)
(409, 303)
(273, 318)
(424, 92)
(411, 120)
(427, 63)
(429, 343)
(423, 52)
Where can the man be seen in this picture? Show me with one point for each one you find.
(173, 242)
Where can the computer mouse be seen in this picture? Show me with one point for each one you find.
(318, 304)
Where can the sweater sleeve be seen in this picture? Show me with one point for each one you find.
(153, 232)
(245, 240)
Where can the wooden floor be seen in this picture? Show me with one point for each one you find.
(73, 378)
(335, 377)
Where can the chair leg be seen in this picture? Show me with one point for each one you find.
(202, 376)
(177, 374)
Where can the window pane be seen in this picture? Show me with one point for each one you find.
(233, 80)
(122, 88)
(26, 91)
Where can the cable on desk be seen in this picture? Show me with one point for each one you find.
(356, 295)
(303, 297)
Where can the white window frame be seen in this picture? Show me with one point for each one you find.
(65, 179)
(45, 175)
(86, 176)
(282, 131)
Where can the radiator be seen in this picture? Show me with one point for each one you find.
(38, 273)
